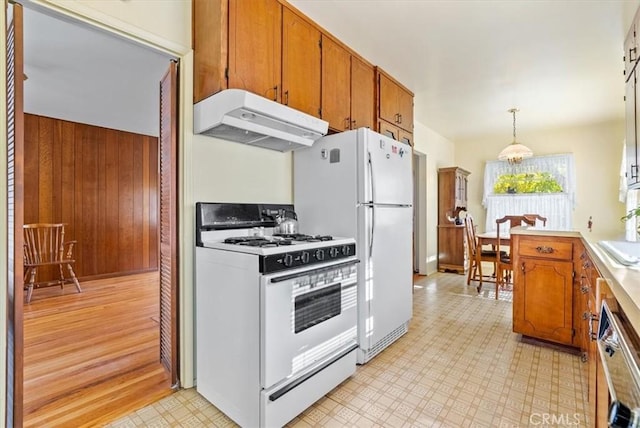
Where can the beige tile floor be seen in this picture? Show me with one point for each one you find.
(460, 365)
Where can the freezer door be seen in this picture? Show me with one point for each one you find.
(386, 283)
(386, 169)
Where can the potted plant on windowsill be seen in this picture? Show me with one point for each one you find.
(633, 214)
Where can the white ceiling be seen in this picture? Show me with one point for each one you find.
(469, 61)
(80, 74)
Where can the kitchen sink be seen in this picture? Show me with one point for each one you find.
(624, 252)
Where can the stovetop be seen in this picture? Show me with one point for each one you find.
(276, 240)
(249, 229)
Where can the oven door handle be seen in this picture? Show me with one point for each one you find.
(279, 393)
(307, 272)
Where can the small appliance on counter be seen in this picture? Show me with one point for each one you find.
(360, 183)
(276, 313)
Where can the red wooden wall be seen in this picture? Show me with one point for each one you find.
(103, 183)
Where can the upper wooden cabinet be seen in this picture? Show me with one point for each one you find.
(362, 94)
(271, 49)
(395, 102)
(300, 63)
(237, 44)
(347, 88)
(336, 85)
(210, 41)
(255, 46)
(392, 131)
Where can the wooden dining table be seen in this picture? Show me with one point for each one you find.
(491, 238)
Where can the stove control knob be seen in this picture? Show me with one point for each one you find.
(319, 255)
(304, 257)
(346, 250)
(333, 252)
(288, 260)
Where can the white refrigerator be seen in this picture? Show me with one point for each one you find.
(359, 184)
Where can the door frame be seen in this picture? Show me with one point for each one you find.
(84, 15)
(420, 228)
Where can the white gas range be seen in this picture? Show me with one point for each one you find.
(276, 316)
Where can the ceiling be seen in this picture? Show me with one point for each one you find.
(81, 74)
(469, 61)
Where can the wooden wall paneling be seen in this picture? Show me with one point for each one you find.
(67, 182)
(125, 214)
(101, 236)
(45, 176)
(145, 201)
(111, 227)
(77, 199)
(31, 166)
(88, 240)
(154, 248)
(103, 184)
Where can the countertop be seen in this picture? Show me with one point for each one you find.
(624, 281)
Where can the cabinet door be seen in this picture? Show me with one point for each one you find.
(543, 299)
(300, 63)
(631, 128)
(210, 39)
(405, 109)
(630, 51)
(388, 100)
(336, 83)
(255, 46)
(362, 94)
(406, 137)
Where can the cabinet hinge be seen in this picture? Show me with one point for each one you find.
(573, 332)
(320, 113)
(573, 275)
(226, 73)
(320, 42)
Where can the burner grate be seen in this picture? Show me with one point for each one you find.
(303, 237)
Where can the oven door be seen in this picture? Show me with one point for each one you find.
(308, 315)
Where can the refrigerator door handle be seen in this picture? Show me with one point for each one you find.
(373, 227)
(371, 180)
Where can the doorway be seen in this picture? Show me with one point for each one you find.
(78, 86)
(419, 212)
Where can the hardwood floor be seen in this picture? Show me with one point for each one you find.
(92, 357)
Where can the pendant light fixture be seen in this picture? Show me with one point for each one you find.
(515, 152)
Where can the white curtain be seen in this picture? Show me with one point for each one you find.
(556, 207)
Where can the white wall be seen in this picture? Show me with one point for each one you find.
(440, 154)
(598, 152)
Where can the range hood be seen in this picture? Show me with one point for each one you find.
(244, 117)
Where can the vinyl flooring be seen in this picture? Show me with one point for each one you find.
(460, 365)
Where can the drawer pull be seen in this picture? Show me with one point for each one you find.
(543, 249)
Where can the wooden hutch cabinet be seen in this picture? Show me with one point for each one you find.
(452, 198)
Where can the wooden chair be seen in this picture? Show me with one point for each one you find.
(477, 254)
(537, 217)
(504, 267)
(44, 245)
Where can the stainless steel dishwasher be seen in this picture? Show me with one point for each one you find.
(619, 351)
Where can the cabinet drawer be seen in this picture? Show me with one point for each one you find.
(546, 249)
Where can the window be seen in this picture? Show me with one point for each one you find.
(543, 185)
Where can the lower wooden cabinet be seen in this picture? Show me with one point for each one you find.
(543, 299)
(543, 304)
(557, 296)
(452, 249)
